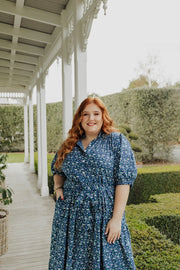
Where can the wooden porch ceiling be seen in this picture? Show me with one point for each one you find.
(28, 31)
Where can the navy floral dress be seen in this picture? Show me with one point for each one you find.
(78, 239)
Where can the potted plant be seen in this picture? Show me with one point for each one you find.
(5, 197)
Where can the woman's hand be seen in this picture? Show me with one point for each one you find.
(113, 229)
(59, 193)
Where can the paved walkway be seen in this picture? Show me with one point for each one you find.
(30, 219)
(175, 155)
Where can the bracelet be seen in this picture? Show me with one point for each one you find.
(57, 189)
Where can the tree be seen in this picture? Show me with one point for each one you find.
(156, 120)
(12, 125)
(151, 69)
(142, 81)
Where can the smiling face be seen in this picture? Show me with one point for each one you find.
(92, 119)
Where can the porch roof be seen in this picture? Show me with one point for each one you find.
(30, 38)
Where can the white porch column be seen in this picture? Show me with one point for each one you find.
(39, 134)
(31, 133)
(26, 138)
(80, 57)
(44, 174)
(66, 97)
(66, 85)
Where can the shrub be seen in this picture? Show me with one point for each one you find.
(126, 130)
(123, 131)
(133, 136)
(153, 250)
(36, 162)
(5, 192)
(155, 180)
(126, 127)
(136, 148)
(168, 225)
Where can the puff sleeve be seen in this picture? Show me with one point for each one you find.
(54, 170)
(125, 164)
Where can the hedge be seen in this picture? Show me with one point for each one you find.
(153, 247)
(155, 180)
(156, 120)
(153, 114)
(168, 225)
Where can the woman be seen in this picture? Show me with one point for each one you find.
(93, 172)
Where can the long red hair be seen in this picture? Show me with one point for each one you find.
(76, 132)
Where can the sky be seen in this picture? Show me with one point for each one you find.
(119, 41)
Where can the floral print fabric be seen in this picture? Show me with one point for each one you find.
(78, 239)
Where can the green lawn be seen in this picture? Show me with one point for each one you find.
(15, 157)
(19, 157)
(160, 168)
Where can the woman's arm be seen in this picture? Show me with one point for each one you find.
(58, 181)
(120, 201)
(113, 227)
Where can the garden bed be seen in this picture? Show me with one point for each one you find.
(152, 248)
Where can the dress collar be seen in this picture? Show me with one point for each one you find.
(79, 142)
